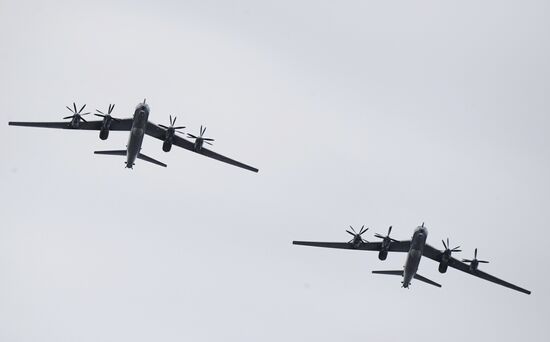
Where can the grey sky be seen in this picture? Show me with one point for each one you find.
(356, 112)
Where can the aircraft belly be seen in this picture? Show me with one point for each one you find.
(411, 266)
(134, 144)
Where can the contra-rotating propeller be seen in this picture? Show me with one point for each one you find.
(200, 138)
(387, 237)
(172, 123)
(448, 249)
(357, 236)
(76, 113)
(475, 261)
(108, 115)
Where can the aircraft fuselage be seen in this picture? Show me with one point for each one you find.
(141, 116)
(414, 255)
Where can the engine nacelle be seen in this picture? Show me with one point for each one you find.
(473, 265)
(443, 265)
(166, 146)
(383, 254)
(198, 144)
(104, 133)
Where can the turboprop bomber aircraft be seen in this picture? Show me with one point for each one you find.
(415, 248)
(138, 126)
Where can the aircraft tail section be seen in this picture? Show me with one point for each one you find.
(416, 276)
(426, 280)
(150, 160)
(397, 273)
(112, 153)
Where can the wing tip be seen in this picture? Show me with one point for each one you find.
(249, 168)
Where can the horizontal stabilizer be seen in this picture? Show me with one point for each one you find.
(150, 160)
(397, 273)
(426, 280)
(112, 153)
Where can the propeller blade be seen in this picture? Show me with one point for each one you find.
(74, 105)
(483, 261)
(100, 112)
(85, 114)
(444, 244)
(456, 250)
(466, 260)
(475, 254)
(68, 117)
(69, 108)
(81, 118)
(379, 236)
(163, 126)
(209, 143)
(180, 132)
(191, 136)
(353, 229)
(179, 127)
(389, 230)
(350, 233)
(207, 139)
(100, 115)
(81, 109)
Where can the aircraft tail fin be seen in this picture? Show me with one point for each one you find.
(426, 280)
(150, 160)
(113, 153)
(397, 273)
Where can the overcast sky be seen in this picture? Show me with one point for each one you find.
(356, 112)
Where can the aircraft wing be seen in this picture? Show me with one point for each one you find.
(160, 133)
(116, 125)
(396, 246)
(435, 254)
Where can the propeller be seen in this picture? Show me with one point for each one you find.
(172, 123)
(357, 236)
(76, 113)
(200, 137)
(474, 260)
(108, 115)
(387, 237)
(448, 248)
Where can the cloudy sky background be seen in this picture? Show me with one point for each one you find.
(357, 112)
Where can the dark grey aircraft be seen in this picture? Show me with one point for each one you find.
(138, 126)
(415, 248)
